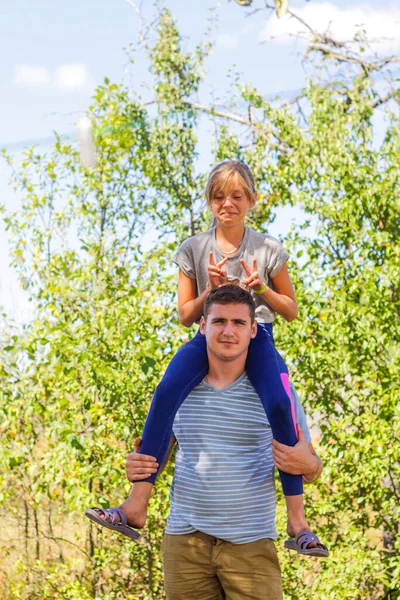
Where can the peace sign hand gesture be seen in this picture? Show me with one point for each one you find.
(216, 274)
(253, 280)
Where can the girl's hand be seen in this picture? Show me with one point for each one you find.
(216, 274)
(253, 281)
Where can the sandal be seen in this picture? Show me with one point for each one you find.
(114, 518)
(301, 543)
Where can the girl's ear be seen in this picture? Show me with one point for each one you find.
(254, 200)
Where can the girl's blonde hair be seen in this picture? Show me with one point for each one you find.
(226, 175)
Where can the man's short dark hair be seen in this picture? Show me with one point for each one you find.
(230, 294)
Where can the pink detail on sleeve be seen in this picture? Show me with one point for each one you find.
(286, 385)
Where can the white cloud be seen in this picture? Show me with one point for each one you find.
(71, 77)
(341, 22)
(65, 77)
(29, 75)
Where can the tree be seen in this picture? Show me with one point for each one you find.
(77, 381)
(281, 6)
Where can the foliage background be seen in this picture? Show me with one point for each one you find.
(76, 382)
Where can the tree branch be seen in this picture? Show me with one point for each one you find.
(257, 127)
(383, 99)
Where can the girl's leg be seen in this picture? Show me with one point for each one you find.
(268, 375)
(294, 504)
(187, 369)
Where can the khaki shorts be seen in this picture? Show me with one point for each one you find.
(198, 566)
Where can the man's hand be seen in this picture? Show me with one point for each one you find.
(139, 466)
(297, 460)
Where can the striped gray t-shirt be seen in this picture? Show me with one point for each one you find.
(224, 473)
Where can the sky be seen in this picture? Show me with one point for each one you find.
(54, 55)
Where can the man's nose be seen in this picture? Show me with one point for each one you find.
(229, 329)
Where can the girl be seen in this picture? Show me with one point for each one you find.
(224, 254)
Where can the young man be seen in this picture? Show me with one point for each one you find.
(219, 538)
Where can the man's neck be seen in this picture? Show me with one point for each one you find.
(222, 373)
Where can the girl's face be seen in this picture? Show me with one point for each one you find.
(230, 207)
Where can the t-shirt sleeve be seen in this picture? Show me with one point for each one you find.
(300, 414)
(277, 258)
(183, 257)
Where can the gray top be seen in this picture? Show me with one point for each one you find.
(193, 255)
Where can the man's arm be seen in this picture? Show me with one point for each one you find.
(140, 466)
(312, 476)
(300, 459)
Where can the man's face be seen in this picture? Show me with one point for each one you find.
(228, 330)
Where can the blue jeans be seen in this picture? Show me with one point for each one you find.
(266, 371)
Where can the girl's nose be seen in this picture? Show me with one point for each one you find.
(227, 201)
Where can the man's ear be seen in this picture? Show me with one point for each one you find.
(254, 200)
(254, 330)
(203, 325)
